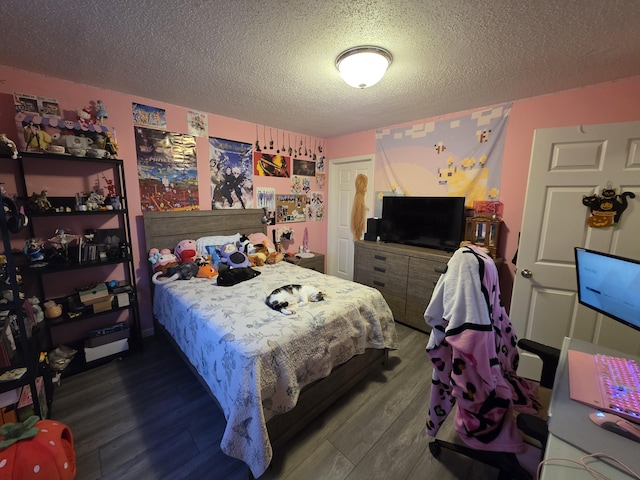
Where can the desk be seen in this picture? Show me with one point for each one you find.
(571, 433)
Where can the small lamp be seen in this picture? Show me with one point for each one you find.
(363, 66)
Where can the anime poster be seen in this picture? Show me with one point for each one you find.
(146, 116)
(304, 167)
(231, 174)
(197, 123)
(167, 170)
(290, 208)
(267, 165)
(266, 198)
(300, 184)
(314, 211)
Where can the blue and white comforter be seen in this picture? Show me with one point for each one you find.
(256, 360)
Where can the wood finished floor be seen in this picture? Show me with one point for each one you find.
(147, 417)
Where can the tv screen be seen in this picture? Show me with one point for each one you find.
(609, 284)
(432, 222)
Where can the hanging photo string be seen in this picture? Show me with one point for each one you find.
(277, 132)
(270, 139)
(257, 142)
(283, 150)
(290, 149)
(300, 148)
(314, 149)
(264, 136)
(606, 209)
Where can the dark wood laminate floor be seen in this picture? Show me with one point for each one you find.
(147, 417)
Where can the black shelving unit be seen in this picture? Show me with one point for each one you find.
(28, 344)
(30, 166)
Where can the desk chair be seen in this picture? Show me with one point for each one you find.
(469, 327)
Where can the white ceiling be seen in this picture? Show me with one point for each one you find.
(272, 62)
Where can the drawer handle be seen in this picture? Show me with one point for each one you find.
(378, 284)
(380, 269)
(380, 257)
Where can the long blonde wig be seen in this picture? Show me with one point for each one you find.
(359, 209)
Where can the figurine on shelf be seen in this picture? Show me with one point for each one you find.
(7, 146)
(61, 240)
(95, 201)
(101, 112)
(33, 250)
(37, 139)
(110, 145)
(40, 202)
(84, 117)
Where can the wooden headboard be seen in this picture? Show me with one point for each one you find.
(166, 229)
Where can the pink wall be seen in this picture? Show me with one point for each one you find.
(610, 102)
(72, 95)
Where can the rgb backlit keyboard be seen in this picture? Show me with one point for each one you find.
(619, 384)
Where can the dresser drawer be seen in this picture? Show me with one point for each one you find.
(387, 281)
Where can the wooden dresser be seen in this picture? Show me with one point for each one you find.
(405, 276)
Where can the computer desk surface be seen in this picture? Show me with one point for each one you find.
(572, 434)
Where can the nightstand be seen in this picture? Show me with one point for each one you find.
(314, 263)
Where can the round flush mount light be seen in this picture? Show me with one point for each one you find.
(364, 66)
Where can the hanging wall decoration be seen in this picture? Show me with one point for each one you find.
(146, 116)
(197, 123)
(268, 165)
(266, 199)
(167, 170)
(231, 174)
(290, 208)
(606, 209)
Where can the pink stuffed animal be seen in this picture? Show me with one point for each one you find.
(186, 251)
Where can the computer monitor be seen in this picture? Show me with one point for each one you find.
(610, 285)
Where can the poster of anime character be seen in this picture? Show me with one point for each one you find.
(267, 165)
(266, 198)
(304, 167)
(314, 212)
(197, 123)
(146, 116)
(231, 174)
(167, 170)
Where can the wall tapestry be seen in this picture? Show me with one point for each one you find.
(455, 157)
(167, 170)
(146, 116)
(231, 174)
(267, 165)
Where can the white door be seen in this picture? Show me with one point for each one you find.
(342, 190)
(567, 163)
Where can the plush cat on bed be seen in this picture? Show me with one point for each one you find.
(283, 299)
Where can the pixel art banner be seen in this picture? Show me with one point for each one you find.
(457, 157)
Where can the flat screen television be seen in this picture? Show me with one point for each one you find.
(609, 284)
(432, 222)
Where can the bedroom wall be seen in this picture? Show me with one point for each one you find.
(73, 95)
(617, 101)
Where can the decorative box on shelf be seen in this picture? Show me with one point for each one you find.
(484, 230)
(97, 294)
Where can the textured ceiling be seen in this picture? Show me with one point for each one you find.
(272, 62)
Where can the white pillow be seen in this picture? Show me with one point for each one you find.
(202, 242)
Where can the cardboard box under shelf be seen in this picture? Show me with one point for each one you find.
(103, 305)
(93, 295)
(95, 353)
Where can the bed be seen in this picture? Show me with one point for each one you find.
(271, 374)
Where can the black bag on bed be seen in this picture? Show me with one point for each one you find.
(232, 276)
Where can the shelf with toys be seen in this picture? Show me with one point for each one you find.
(79, 235)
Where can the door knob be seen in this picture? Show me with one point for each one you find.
(526, 273)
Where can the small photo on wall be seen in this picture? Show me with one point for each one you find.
(306, 168)
(197, 123)
(266, 198)
(267, 165)
(146, 116)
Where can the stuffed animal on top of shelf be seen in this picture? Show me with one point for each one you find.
(8, 146)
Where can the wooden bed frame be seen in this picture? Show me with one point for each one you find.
(166, 229)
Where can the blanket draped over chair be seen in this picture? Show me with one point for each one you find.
(473, 350)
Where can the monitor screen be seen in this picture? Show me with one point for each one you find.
(610, 285)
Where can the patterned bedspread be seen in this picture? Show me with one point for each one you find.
(256, 360)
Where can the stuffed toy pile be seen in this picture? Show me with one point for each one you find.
(183, 264)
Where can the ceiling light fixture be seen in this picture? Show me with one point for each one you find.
(364, 66)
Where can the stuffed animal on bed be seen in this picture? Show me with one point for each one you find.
(230, 255)
(186, 251)
(206, 271)
(183, 271)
